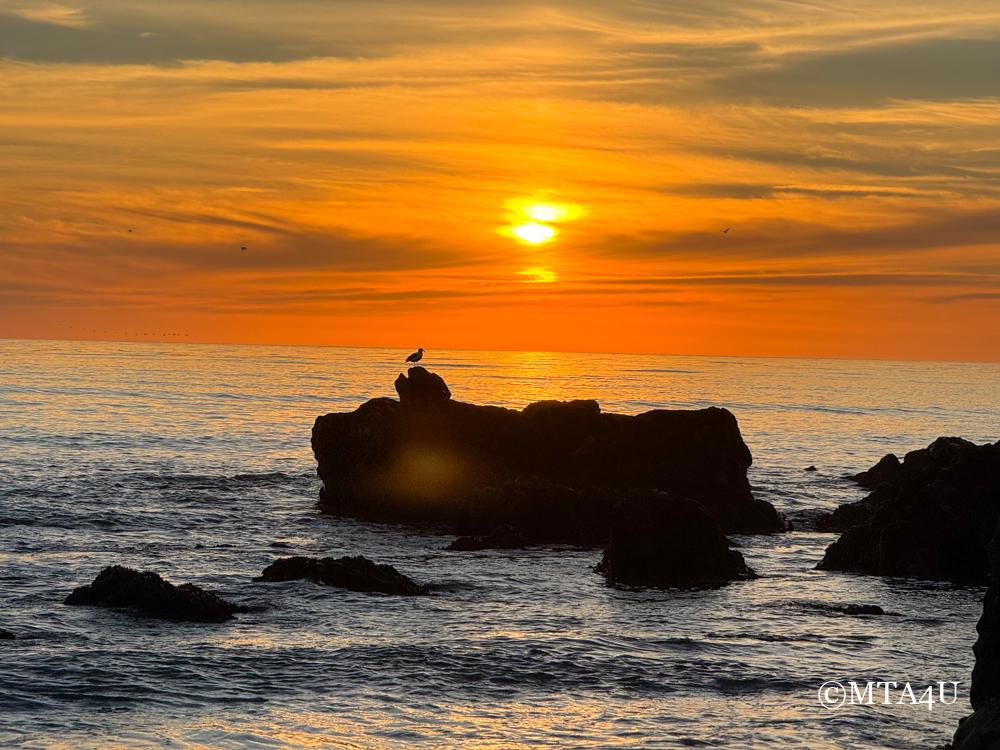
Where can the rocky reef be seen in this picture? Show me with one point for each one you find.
(148, 594)
(658, 540)
(929, 516)
(552, 471)
(981, 730)
(351, 573)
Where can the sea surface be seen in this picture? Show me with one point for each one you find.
(194, 461)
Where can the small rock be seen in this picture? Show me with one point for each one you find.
(351, 573)
(147, 593)
(502, 537)
(6, 635)
(810, 468)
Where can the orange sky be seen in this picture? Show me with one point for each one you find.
(376, 158)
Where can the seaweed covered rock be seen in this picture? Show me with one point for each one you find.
(930, 519)
(351, 573)
(429, 458)
(148, 594)
(659, 540)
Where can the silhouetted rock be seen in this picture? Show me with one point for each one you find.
(421, 388)
(150, 595)
(886, 470)
(428, 458)
(351, 573)
(662, 540)
(810, 468)
(502, 537)
(981, 730)
(932, 519)
(6, 635)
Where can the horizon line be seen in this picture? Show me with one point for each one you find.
(512, 351)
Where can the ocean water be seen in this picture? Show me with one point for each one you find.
(194, 461)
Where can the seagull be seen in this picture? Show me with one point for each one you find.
(726, 230)
(416, 356)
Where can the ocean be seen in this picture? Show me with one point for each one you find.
(194, 461)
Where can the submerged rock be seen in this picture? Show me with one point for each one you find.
(981, 730)
(660, 540)
(351, 573)
(428, 458)
(147, 593)
(853, 610)
(502, 537)
(931, 519)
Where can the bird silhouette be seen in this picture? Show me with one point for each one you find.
(416, 356)
(726, 230)
(243, 248)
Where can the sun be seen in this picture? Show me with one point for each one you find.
(529, 221)
(533, 232)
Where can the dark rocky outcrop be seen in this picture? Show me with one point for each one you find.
(502, 537)
(931, 519)
(886, 470)
(659, 540)
(553, 470)
(981, 730)
(351, 573)
(6, 635)
(148, 594)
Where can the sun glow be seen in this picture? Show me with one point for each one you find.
(533, 233)
(530, 221)
(539, 275)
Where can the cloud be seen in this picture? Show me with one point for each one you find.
(925, 69)
(54, 15)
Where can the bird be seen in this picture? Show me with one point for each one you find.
(416, 356)
(726, 230)
(243, 247)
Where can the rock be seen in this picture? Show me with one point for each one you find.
(502, 537)
(665, 541)
(886, 470)
(351, 573)
(853, 610)
(421, 388)
(981, 730)
(6, 635)
(148, 594)
(426, 458)
(932, 519)
(810, 468)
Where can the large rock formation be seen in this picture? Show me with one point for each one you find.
(668, 541)
(981, 731)
(929, 518)
(150, 595)
(553, 470)
(351, 573)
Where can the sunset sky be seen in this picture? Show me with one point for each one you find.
(505, 175)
